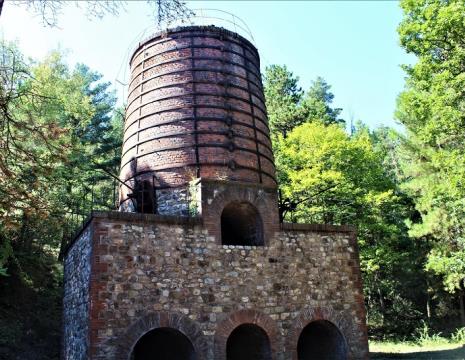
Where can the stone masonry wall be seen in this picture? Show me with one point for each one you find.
(151, 271)
(77, 274)
(173, 201)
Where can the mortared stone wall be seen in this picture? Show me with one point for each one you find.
(152, 271)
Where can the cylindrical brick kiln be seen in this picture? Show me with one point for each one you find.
(195, 109)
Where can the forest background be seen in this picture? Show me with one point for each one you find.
(60, 141)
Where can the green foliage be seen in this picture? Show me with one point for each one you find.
(282, 96)
(316, 104)
(432, 109)
(288, 106)
(323, 165)
(459, 336)
(333, 178)
(59, 133)
(327, 176)
(424, 335)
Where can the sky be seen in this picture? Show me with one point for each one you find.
(353, 45)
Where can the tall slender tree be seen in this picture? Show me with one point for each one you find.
(432, 109)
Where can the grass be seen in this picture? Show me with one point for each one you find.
(409, 350)
(427, 345)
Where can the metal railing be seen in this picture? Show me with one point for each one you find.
(216, 17)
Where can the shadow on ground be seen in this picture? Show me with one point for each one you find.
(454, 354)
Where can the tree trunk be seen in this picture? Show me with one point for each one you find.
(381, 302)
(428, 307)
(1, 6)
(428, 301)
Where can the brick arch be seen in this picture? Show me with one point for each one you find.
(217, 197)
(186, 326)
(256, 198)
(226, 327)
(314, 314)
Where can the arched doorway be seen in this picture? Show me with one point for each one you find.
(321, 340)
(164, 344)
(248, 342)
(241, 224)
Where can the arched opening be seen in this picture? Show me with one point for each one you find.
(321, 340)
(248, 342)
(241, 224)
(164, 344)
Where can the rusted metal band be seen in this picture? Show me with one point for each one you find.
(193, 93)
(186, 95)
(252, 110)
(175, 134)
(212, 47)
(188, 58)
(207, 163)
(196, 137)
(151, 41)
(174, 108)
(203, 69)
(187, 82)
(191, 146)
(199, 119)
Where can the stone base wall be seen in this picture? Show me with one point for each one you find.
(76, 300)
(150, 271)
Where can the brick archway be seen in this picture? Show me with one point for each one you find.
(227, 326)
(217, 195)
(152, 321)
(316, 314)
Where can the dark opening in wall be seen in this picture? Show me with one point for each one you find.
(145, 198)
(241, 224)
(321, 340)
(164, 344)
(248, 342)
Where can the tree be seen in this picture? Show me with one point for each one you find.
(37, 117)
(283, 96)
(316, 104)
(49, 10)
(288, 106)
(330, 177)
(432, 109)
(52, 122)
(58, 130)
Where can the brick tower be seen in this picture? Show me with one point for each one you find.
(196, 265)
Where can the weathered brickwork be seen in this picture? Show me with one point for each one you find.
(213, 196)
(196, 109)
(152, 266)
(76, 299)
